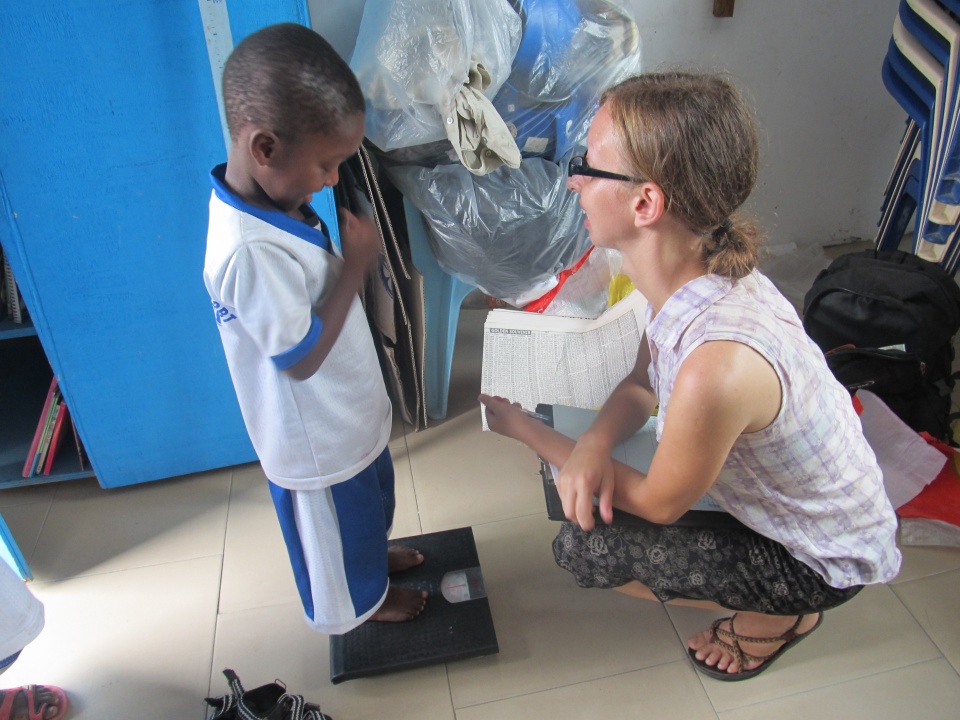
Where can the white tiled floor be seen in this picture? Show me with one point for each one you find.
(151, 591)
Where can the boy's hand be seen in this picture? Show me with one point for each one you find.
(360, 241)
(504, 417)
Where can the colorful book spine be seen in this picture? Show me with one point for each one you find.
(30, 464)
(63, 417)
(13, 297)
(51, 423)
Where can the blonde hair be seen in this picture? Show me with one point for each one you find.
(694, 136)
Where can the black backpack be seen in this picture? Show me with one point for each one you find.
(886, 321)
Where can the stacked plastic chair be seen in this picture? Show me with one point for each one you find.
(921, 71)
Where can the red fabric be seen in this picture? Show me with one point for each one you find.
(541, 303)
(940, 500)
(857, 405)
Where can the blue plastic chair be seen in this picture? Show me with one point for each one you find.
(920, 70)
(936, 31)
(920, 92)
(898, 213)
(443, 294)
(949, 190)
(908, 147)
(903, 193)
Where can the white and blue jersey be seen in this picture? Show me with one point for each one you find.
(266, 273)
(321, 441)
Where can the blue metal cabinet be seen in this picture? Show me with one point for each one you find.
(110, 128)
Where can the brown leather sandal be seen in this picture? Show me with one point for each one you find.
(719, 636)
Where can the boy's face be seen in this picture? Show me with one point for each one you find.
(291, 173)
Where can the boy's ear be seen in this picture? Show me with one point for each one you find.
(649, 204)
(263, 146)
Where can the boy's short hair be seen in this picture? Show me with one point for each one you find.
(287, 79)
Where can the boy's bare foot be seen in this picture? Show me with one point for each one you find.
(402, 604)
(401, 557)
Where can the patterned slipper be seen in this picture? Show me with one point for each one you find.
(35, 709)
(267, 702)
(789, 639)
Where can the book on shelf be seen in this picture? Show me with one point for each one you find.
(51, 421)
(79, 445)
(38, 434)
(49, 434)
(63, 416)
(12, 304)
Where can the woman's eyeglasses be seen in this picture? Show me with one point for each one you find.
(578, 166)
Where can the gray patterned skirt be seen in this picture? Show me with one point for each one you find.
(736, 568)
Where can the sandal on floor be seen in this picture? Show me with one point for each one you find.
(267, 702)
(789, 639)
(35, 709)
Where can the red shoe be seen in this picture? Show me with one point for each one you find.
(35, 710)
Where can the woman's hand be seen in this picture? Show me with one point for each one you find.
(586, 474)
(506, 418)
(587, 467)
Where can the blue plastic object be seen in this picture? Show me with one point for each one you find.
(904, 203)
(947, 188)
(10, 553)
(546, 112)
(947, 178)
(548, 130)
(916, 109)
(918, 97)
(443, 294)
(932, 41)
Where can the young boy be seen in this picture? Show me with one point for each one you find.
(295, 335)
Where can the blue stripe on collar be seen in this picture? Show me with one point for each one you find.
(315, 236)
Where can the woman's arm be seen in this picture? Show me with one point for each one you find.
(589, 469)
(722, 390)
(586, 466)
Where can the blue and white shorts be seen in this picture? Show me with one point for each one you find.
(337, 541)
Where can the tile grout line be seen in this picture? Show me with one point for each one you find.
(917, 620)
(828, 686)
(585, 681)
(52, 581)
(413, 480)
(223, 558)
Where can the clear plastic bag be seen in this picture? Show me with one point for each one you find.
(586, 293)
(504, 232)
(570, 52)
(413, 56)
(509, 232)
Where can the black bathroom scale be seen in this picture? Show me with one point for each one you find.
(455, 625)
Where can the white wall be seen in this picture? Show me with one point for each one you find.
(812, 69)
